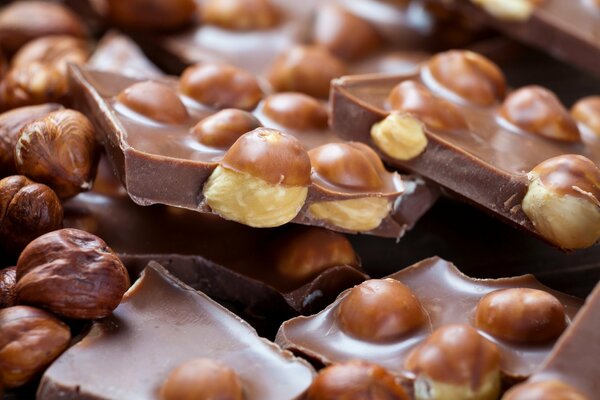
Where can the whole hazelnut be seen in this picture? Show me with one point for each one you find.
(381, 310)
(521, 315)
(537, 110)
(344, 34)
(563, 201)
(27, 210)
(262, 181)
(30, 339)
(400, 136)
(306, 69)
(587, 113)
(11, 123)
(509, 10)
(35, 83)
(23, 21)
(59, 150)
(221, 86)
(415, 99)
(240, 15)
(223, 128)
(296, 111)
(155, 101)
(72, 273)
(8, 280)
(151, 15)
(355, 380)
(55, 51)
(468, 75)
(455, 362)
(544, 390)
(202, 378)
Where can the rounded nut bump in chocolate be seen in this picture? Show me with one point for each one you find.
(223, 128)
(537, 110)
(355, 380)
(414, 98)
(155, 101)
(587, 113)
(468, 75)
(240, 15)
(521, 315)
(221, 85)
(544, 390)
(296, 111)
(455, 363)
(202, 378)
(381, 310)
(563, 201)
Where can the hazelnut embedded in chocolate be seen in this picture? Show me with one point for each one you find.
(306, 69)
(262, 181)
(59, 150)
(155, 101)
(400, 136)
(587, 113)
(202, 378)
(381, 310)
(151, 14)
(221, 85)
(563, 201)
(521, 315)
(509, 10)
(30, 339)
(223, 128)
(544, 390)
(415, 99)
(8, 280)
(240, 15)
(71, 273)
(455, 362)
(355, 380)
(537, 110)
(468, 75)
(296, 111)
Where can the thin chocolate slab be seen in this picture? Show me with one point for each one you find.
(160, 324)
(447, 296)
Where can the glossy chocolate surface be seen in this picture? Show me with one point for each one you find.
(160, 324)
(448, 297)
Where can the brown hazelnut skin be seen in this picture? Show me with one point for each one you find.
(223, 128)
(155, 101)
(296, 111)
(380, 310)
(202, 378)
(30, 339)
(521, 315)
(23, 21)
(59, 150)
(587, 112)
(480, 81)
(221, 86)
(11, 123)
(151, 15)
(415, 99)
(8, 280)
(306, 69)
(351, 165)
(28, 210)
(72, 273)
(344, 34)
(544, 390)
(536, 110)
(240, 15)
(355, 380)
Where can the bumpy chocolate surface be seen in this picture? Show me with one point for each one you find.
(447, 296)
(160, 324)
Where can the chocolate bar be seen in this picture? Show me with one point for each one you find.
(161, 324)
(199, 172)
(381, 321)
(566, 29)
(498, 156)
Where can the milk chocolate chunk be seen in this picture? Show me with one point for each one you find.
(161, 324)
(436, 295)
(487, 155)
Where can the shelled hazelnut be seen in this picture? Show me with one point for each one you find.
(587, 113)
(159, 15)
(296, 111)
(154, 100)
(240, 15)
(8, 280)
(223, 128)
(400, 136)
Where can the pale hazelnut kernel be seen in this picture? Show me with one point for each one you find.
(357, 215)
(563, 201)
(587, 113)
(240, 15)
(510, 10)
(400, 136)
(544, 390)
